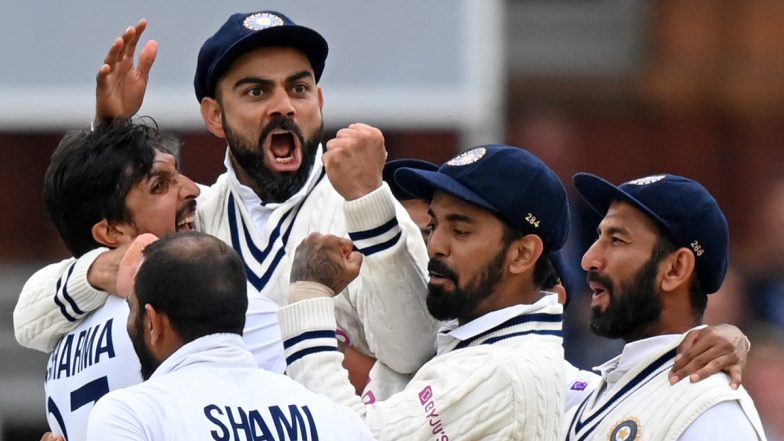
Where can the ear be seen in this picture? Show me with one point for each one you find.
(211, 114)
(158, 327)
(110, 235)
(321, 97)
(677, 269)
(524, 252)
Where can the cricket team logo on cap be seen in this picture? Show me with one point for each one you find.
(647, 180)
(468, 157)
(626, 430)
(262, 20)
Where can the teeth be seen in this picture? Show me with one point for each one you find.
(187, 219)
(285, 160)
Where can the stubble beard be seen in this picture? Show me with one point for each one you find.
(147, 361)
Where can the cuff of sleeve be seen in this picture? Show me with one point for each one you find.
(305, 316)
(303, 290)
(85, 295)
(368, 212)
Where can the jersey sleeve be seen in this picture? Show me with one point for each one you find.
(389, 294)
(54, 300)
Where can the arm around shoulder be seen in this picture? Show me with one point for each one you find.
(54, 300)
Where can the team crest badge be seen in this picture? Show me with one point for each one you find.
(468, 157)
(262, 20)
(647, 180)
(626, 430)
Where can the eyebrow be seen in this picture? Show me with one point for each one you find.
(266, 81)
(454, 217)
(612, 230)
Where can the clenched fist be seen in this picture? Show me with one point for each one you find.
(355, 159)
(326, 259)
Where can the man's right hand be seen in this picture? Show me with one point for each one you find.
(326, 259)
(120, 86)
(103, 272)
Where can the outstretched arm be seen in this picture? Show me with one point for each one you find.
(711, 349)
(120, 85)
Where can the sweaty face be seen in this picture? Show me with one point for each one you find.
(164, 201)
(467, 258)
(623, 274)
(271, 115)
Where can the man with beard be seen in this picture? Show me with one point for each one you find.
(662, 247)
(102, 189)
(498, 371)
(257, 84)
(187, 311)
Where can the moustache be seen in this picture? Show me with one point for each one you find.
(187, 209)
(442, 269)
(281, 122)
(595, 276)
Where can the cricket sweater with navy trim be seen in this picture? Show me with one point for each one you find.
(499, 377)
(391, 287)
(635, 400)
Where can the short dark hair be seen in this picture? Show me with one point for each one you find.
(91, 172)
(198, 281)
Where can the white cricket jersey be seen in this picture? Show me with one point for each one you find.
(86, 364)
(211, 389)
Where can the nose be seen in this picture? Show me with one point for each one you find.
(188, 188)
(591, 260)
(436, 243)
(281, 103)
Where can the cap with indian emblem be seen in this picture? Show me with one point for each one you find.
(509, 181)
(243, 32)
(682, 207)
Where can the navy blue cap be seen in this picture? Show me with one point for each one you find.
(244, 32)
(505, 180)
(682, 207)
(392, 166)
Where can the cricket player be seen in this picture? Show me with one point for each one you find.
(103, 188)
(187, 313)
(662, 247)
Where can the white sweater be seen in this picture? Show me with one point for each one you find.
(383, 310)
(635, 398)
(501, 381)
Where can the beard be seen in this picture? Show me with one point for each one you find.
(462, 301)
(148, 363)
(275, 187)
(636, 307)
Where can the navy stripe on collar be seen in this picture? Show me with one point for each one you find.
(540, 317)
(259, 282)
(639, 380)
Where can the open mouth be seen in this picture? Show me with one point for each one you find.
(186, 217)
(284, 152)
(599, 293)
